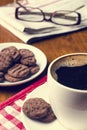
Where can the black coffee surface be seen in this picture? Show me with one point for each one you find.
(74, 77)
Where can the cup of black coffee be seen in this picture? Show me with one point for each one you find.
(67, 82)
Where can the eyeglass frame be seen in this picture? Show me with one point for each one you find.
(44, 18)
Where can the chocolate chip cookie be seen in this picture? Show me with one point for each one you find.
(27, 57)
(5, 61)
(11, 79)
(34, 69)
(49, 117)
(13, 52)
(35, 108)
(38, 109)
(26, 52)
(19, 71)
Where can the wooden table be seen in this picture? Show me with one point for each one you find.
(53, 48)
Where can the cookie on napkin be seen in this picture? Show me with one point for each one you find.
(38, 109)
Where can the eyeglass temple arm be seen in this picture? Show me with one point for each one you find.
(22, 6)
(79, 8)
(71, 17)
(27, 9)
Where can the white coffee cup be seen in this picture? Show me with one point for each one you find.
(68, 104)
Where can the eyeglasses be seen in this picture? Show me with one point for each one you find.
(60, 17)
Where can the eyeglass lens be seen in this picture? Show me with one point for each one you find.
(30, 15)
(65, 17)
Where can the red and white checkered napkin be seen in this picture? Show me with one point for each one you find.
(10, 117)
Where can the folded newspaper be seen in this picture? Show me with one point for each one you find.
(8, 20)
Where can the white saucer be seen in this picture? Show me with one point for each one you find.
(42, 92)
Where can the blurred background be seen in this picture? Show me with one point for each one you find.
(3, 2)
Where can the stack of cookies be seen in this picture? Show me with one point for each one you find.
(17, 64)
(38, 109)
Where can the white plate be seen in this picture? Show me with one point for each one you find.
(39, 55)
(41, 92)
